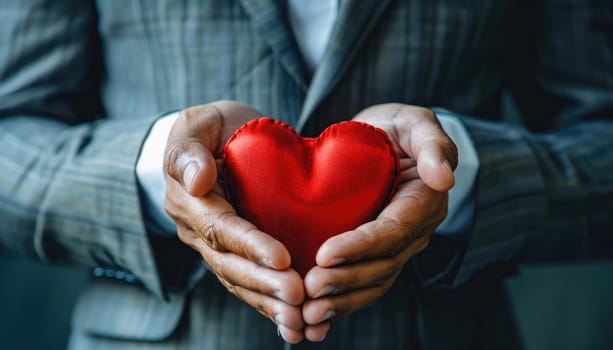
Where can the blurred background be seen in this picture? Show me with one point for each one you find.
(565, 306)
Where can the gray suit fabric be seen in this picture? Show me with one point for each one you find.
(81, 82)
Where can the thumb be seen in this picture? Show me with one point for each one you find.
(188, 158)
(196, 137)
(192, 165)
(426, 142)
(434, 166)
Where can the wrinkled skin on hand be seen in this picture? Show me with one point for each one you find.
(355, 268)
(249, 263)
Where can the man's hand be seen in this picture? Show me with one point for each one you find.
(249, 263)
(354, 269)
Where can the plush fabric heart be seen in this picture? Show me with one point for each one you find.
(304, 190)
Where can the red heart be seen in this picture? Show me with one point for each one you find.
(304, 190)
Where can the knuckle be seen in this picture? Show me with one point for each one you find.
(210, 232)
(211, 229)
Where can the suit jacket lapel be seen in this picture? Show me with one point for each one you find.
(271, 23)
(356, 19)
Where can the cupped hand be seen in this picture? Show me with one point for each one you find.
(249, 263)
(354, 269)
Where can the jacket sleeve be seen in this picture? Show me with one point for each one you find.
(545, 184)
(67, 185)
(545, 188)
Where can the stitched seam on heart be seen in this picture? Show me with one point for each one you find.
(395, 176)
(392, 183)
(226, 175)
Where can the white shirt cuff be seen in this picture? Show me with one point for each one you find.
(150, 175)
(461, 197)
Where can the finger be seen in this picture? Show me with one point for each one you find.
(217, 224)
(189, 152)
(287, 318)
(241, 273)
(400, 223)
(321, 282)
(318, 332)
(228, 231)
(282, 314)
(379, 238)
(422, 138)
(291, 336)
(333, 308)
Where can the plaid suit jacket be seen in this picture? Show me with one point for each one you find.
(81, 82)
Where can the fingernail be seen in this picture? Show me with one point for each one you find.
(327, 290)
(188, 175)
(322, 337)
(337, 261)
(267, 262)
(329, 315)
(278, 332)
